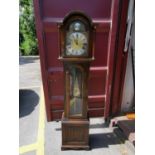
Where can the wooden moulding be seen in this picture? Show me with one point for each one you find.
(75, 134)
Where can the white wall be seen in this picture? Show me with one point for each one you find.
(128, 91)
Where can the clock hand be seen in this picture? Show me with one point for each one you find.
(76, 41)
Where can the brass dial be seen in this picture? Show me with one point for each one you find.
(77, 44)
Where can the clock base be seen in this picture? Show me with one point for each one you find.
(75, 134)
(71, 147)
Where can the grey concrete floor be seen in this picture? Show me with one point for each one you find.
(29, 72)
(103, 140)
(30, 153)
(28, 112)
(29, 97)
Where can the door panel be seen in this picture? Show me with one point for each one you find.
(48, 14)
(59, 8)
(51, 46)
(97, 79)
(101, 46)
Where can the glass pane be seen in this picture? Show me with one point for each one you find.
(76, 92)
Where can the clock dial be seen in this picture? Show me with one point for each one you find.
(77, 44)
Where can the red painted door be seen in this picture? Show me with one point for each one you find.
(104, 14)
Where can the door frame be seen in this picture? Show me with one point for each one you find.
(116, 57)
(118, 63)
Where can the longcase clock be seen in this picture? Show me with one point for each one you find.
(76, 52)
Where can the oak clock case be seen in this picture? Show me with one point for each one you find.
(76, 52)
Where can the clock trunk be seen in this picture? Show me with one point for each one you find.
(76, 90)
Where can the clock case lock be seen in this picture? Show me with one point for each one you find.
(76, 16)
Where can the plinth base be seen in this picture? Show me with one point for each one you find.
(75, 134)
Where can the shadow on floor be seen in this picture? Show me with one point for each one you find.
(28, 100)
(102, 140)
(98, 125)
